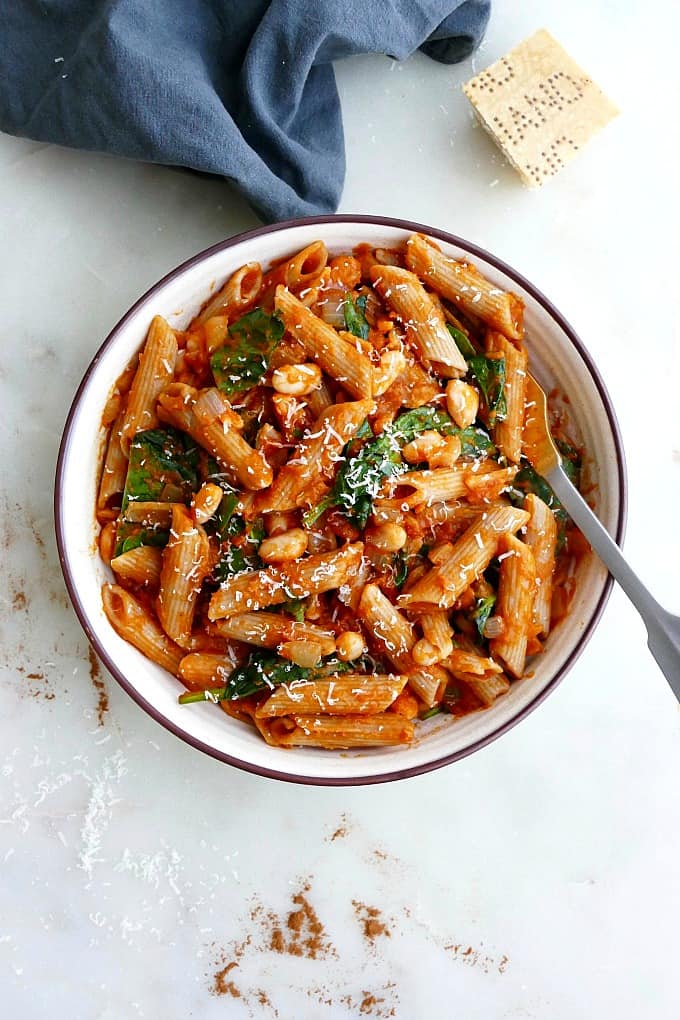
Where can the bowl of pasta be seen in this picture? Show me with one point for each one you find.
(293, 510)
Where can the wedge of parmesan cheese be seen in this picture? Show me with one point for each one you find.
(539, 106)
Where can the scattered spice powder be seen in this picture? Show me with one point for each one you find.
(300, 933)
(99, 686)
(342, 829)
(476, 958)
(303, 933)
(370, 919)
(224, 987)
(39, 688)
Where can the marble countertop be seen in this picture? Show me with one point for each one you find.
(538, 878)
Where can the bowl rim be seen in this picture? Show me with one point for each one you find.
(395, 774)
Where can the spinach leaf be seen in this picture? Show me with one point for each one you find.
(528, 480)
(462, 342)
(482, 612)
(225, 515)
(262, 670)
(571, 461)
(361, 476)
(428, 713)
(400, 568)
(235, 558)
(359, 479)
(131, 535)
(245, 357)
(355, 317)
(408, 425)
(294, 607)
(489, 374)
(474, 441)
(162, 467)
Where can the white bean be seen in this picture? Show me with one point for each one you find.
(289, 545)
(296, 380)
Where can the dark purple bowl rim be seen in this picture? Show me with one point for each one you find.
(416, 770)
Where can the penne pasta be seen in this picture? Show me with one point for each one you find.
(470, 555)
(200, 671)
(516, 589)
(112, 481)
(438, 631)
(340, 732)
(429, 684)
(388, 626)
(139, 566)
(423, 319)
(269, 630)
(186, 562)
(541, 537)
(155, 372)
(209, 419)
(339, 695)
(134, 623)
(488, 689)
(151, 514)
(341, 358)
(460, 283)
(312, 575)
(317, 456)
(238, 293)
(507, 432)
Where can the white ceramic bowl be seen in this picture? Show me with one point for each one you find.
(557, 357)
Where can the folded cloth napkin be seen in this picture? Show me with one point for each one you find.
(240, 88)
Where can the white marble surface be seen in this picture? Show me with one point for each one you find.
(133, 866)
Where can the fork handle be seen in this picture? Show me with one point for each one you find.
(663, 629)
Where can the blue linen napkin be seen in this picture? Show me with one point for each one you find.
(240, 88)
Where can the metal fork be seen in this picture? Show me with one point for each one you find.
(663, 629)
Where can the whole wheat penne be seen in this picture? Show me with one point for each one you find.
(429, 683)
(438, 631)
(133, 622)
(316, 457)
(305, 266)
(154, 373)
(349, 693)
(343, 360)
(200, 671)
(487, 689)
(240, 291)
(311, 575)
(186, 561)
(439, 486)
(139, 566)
(152, 514)
(462, 661)
(471, 555)
(460, 283)
(337, 732)
(107, 541)
(209, 419)
(269, 630)
(319, 399)
(300, 273)
(424, 321)
(541, 537)
(389, 627)
(112, 481)
(507, 432)
(516, 589)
